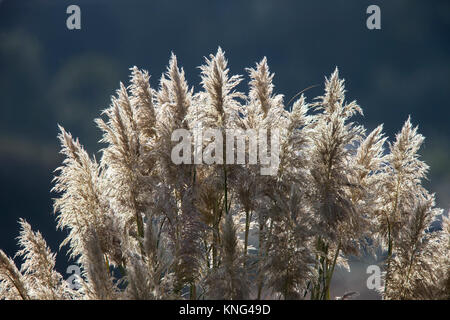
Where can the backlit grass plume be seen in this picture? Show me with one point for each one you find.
(141, 226)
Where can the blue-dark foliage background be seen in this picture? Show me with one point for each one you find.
(50, 75)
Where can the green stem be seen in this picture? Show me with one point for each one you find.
(247, 229)
(193, 292)
(260, 248)
(389, 256)
(330, 273)
(225, 188)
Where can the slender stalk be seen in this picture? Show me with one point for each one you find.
(193, 292)
(225, 188)
(217, 214)
(247, 229)
(390, 239)
(330, 273)
(260, 284)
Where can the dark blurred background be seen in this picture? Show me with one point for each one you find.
(50, 75)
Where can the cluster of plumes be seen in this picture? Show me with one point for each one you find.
(142, 227)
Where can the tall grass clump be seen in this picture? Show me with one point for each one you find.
(142, 227)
